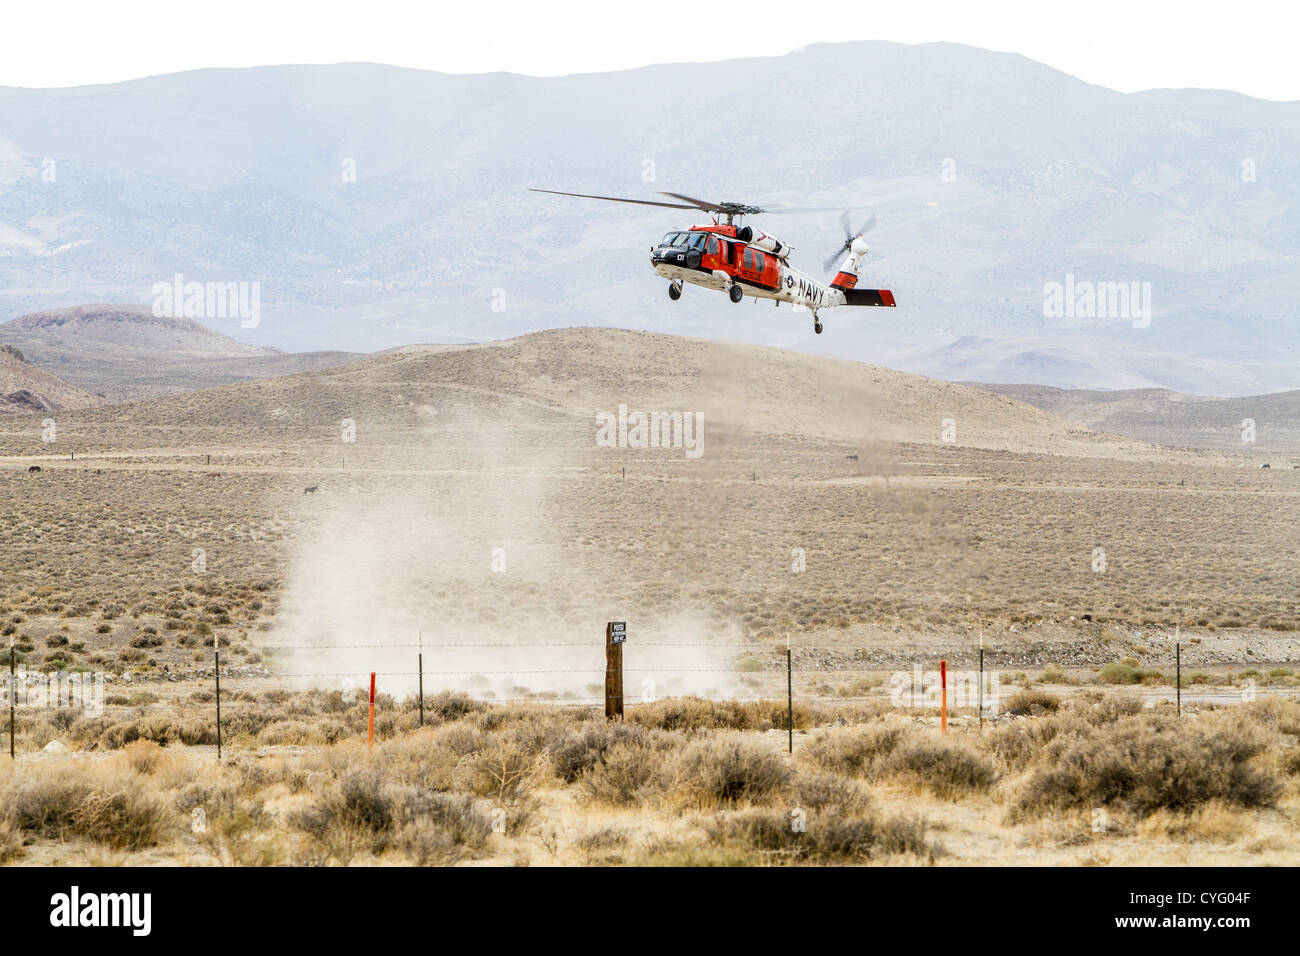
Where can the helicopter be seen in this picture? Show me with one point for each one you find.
(740, 260)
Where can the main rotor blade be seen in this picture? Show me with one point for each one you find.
(697, 203)
(798, 210)
(637, 202)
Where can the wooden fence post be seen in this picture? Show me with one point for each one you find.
(615, 636)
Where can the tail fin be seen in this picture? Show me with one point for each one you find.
(846, 280)
(847, 277)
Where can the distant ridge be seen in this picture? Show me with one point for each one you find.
(1264, 424)
(134, 326)
(125, 351)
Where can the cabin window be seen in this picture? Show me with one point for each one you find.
(712, 247)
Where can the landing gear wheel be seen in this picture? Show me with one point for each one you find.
(817, 326)
(736, 293)
(674, 290)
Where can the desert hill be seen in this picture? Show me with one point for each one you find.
(125, 351)
(1174, 418)
(570, 374)
(134, 326)
(25, 387)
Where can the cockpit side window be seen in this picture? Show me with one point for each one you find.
(712, 247)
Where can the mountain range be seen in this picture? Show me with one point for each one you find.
(376, 207)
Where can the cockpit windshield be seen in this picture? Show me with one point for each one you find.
(685, 240)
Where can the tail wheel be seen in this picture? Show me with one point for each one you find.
(674, 290)
(736, 293)
(817, 326)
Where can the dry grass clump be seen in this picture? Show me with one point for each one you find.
(1015, 744)
(302, 733)
(11, 841)
(828, 791)
(365, 812)
(693, 713)
(602, 846)
(1278, 714)
(244, 833)
(630, 771)
(583, 749)
(858, 752)
(1128, 672)
(103, 804)
(948, 767)
(1032, 702)
(449, 705)
(1214, 822)
(780, 836)
(162, 729)
(1150, 762)
(728, 771)
(447, 828)
(505, 769)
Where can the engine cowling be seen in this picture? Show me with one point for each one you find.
(761, 240)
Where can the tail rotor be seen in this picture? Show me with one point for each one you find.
(849, 237)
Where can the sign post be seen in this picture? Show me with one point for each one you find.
(615, 638)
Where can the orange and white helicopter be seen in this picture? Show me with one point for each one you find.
(743, 261)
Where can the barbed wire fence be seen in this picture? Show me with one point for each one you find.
(977, 692)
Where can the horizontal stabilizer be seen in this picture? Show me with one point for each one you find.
(868, 297)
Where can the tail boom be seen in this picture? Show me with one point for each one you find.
(879, 297)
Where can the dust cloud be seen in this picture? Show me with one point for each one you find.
(470, 551)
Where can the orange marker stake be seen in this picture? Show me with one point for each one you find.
(370, 742)
(943, 681)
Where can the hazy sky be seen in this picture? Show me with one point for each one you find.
(1124, 44)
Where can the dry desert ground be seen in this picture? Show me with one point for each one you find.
(466, 524)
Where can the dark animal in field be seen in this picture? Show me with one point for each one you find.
(308, 491)
(1266, 465)
(33, 468)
